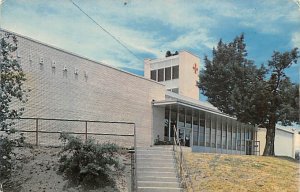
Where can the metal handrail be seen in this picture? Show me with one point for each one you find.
(184, 173)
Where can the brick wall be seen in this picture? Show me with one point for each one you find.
(97, 92)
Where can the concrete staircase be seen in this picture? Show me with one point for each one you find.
(156, 170)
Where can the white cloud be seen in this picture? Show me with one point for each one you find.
(143, 26)
(296, 39)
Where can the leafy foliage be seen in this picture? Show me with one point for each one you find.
(11, 81)
(88, 164)
(259, 96)
(7, 145)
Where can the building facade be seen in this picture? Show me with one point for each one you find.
(68, 86)
(199, 125)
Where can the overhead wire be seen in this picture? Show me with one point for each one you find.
(106, 31)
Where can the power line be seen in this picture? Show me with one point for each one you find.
(116, 39)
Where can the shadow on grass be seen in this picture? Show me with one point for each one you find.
(288, 159)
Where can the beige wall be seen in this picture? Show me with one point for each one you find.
(187, 80)
(285, 141)
(187, 76)
(106, 94)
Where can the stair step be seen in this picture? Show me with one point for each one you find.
(159, 189)
(151, 178)
(155, 164)
(155, 169)
(155, 174)
(157, 184)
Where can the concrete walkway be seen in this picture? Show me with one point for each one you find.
(156, 170)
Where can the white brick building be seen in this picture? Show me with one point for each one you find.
(67, 86)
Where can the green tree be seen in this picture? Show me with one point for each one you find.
(259, 96)
(11, 81)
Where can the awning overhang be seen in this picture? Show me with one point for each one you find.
(187, 104)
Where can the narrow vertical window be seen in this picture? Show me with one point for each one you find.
(167, 73)
(153, 75)
(161, 75)
(175, 72)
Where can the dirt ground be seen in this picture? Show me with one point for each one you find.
(35, 170)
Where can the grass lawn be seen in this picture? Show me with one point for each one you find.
(221, 172)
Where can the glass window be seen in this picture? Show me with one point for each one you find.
(234, 135)
(243, 138)
(219, 133)
(181, 121)
(175, 72)
(161, 75)
(213, 131)
(153, 75)
(167, 73)
(188, 118)
(229, 138)
(195, 127)
(238, 136)
(207, 130)
(167, 111)
(224, 133)
(202, 127)
(173, 121)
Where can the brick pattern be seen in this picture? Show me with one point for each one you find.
(97, 92)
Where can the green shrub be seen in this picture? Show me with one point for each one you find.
(7, 144)
(88, 164)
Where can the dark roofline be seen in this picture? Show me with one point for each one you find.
(76, 55)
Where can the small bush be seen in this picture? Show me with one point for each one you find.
(88, 164)
(7, 144)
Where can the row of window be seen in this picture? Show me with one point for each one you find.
(165, 74)
(209, 130)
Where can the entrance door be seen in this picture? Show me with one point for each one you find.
(184, 136)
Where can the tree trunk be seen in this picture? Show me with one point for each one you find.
(270, 138)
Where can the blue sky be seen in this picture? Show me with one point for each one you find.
(151, 27)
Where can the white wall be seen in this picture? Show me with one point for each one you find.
(107, 94)
(284, 142)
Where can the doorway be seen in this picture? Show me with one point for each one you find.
(184, 135)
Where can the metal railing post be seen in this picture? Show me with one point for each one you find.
(86, 130)
(37, 132)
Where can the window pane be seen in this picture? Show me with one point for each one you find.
(238, 137)
(202, 127)
(188, 118)
(167, 73)
(195, 127)
(181, 121)
(213, 132)
(224, 133)
(207, 131)
(153, 75)
(173, 121)
(175, 72)
(161, 75)
(219, 135)
(234, 135)
(243, 138)
(167, 111)
(229, 138)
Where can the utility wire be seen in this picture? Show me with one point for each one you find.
(116, 39)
